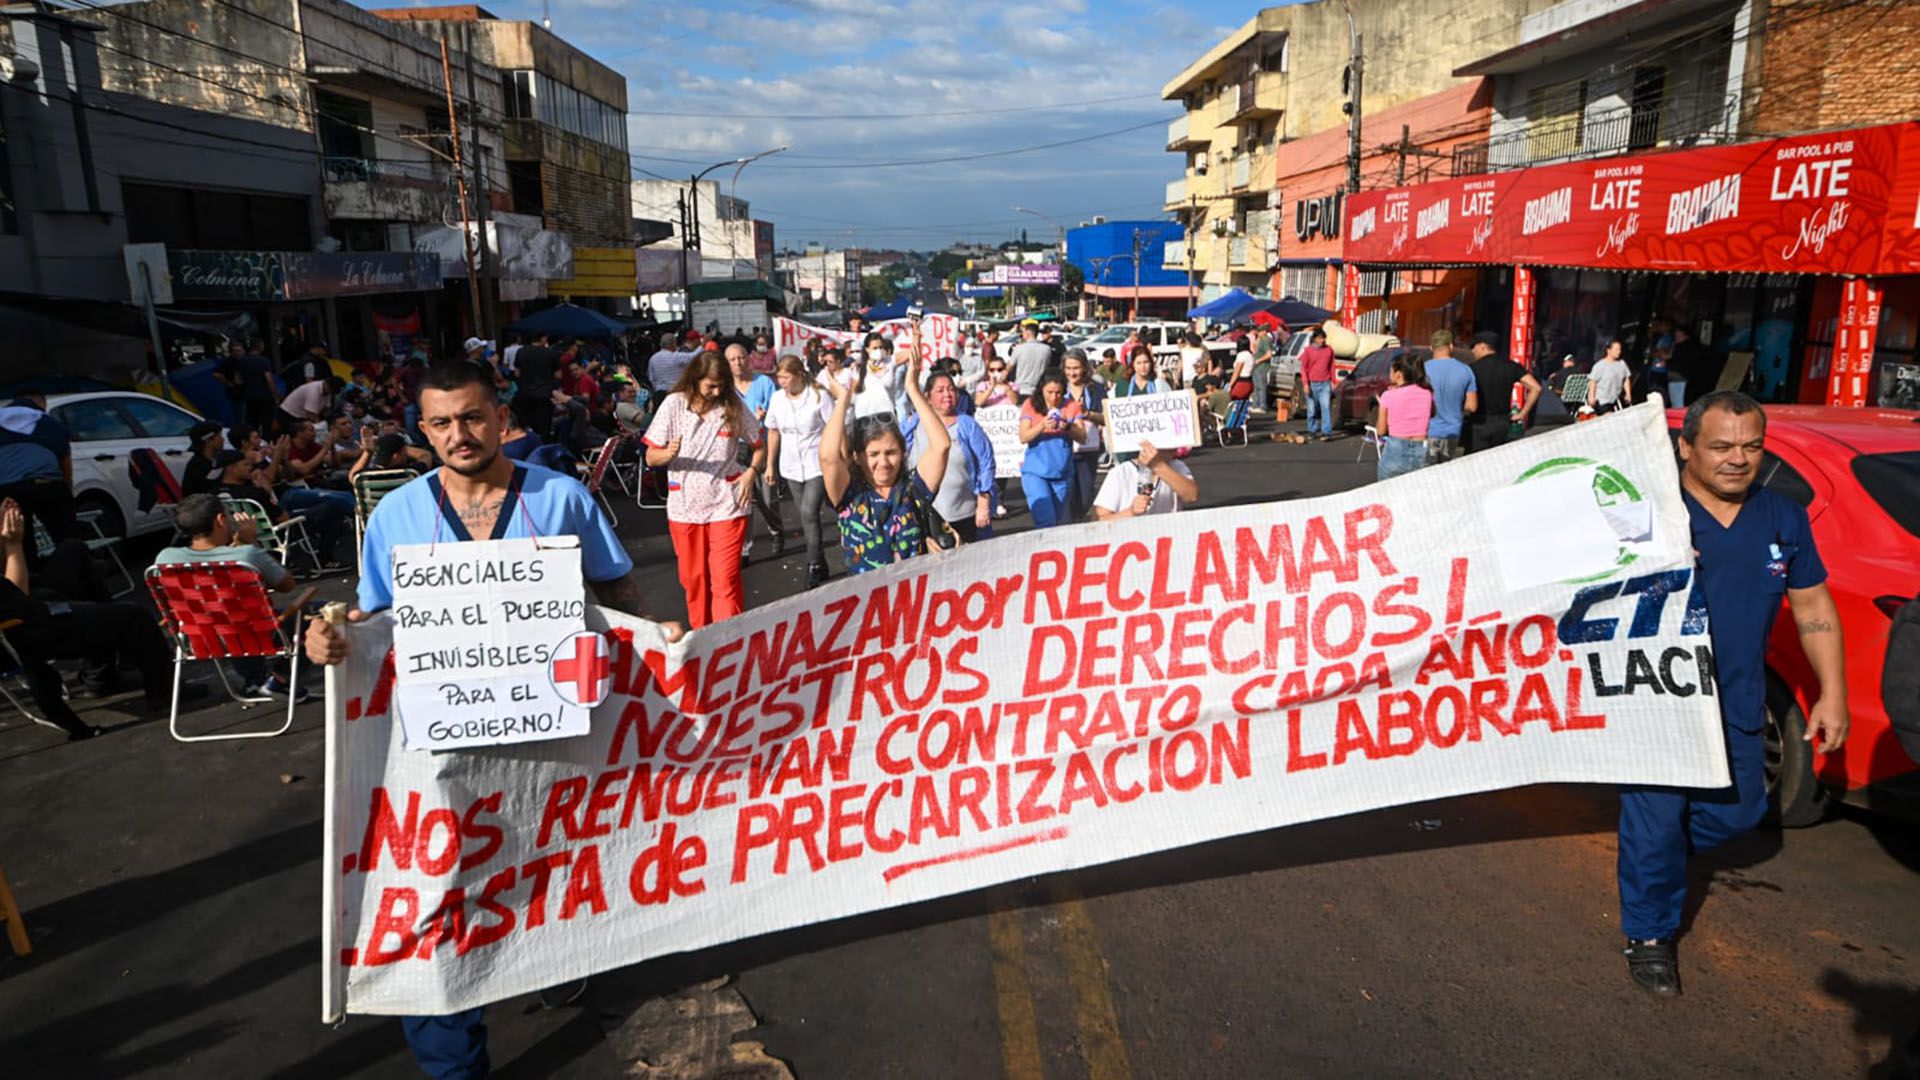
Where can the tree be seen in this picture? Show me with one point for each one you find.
(1072, 281)
(877, 289)
(944, 264)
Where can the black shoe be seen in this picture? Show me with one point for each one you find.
(1653, 968)
(816, 575)
(779, 543)
(91, 731)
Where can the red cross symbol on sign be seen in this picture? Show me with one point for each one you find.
(582, 670)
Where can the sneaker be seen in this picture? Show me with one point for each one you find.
(1653, 967)
(277, 687)
(816, 575)
(999, 511)
(90, 731)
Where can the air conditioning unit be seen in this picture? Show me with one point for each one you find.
(1099, 219)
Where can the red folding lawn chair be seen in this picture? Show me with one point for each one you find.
(597, 468)
(222, 611)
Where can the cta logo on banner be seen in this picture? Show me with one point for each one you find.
(1035, 703)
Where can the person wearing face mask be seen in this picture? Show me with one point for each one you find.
(878, 382)
(696, 436)
(1050, 426)
(964, 499)
(884, 505)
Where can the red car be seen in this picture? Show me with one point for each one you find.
(1857, 472)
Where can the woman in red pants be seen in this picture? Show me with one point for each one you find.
(710, 444)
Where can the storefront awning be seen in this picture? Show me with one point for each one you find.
(1835, 203)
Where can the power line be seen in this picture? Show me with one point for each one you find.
(948, 160)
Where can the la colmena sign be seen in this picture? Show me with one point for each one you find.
(298, 275)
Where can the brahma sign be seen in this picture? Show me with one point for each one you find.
(1837, 203)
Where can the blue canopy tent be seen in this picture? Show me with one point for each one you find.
(1295, 312)
(570, 320)
(1228, 306)
(893, 309)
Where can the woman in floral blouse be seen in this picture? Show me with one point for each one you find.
(884, 507)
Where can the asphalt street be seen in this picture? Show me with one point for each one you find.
(173, 894)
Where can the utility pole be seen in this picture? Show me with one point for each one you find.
(479, 187)
(1400, 174)
(460, 175)
(1356, 73)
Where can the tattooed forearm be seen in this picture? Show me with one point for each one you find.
(1816, 626)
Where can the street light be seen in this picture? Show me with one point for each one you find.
(1062, 228)
(692, 238)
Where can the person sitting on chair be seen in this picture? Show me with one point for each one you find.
(100, 633)
(214, 535)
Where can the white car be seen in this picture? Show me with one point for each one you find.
(108, 425)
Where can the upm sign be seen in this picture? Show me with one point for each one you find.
(1044, 701)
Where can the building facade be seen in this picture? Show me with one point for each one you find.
(1790, 254)
(1123, 265)
(1278, 82)
(234, 197)
(563, 118)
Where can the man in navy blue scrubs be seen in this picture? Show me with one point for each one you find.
(1753, 545)
(478, 493)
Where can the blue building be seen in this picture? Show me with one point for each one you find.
(1106, 255)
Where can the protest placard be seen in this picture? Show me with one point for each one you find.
(1043, 701)
(1168, 421)
(1002, 425)
(478, 630)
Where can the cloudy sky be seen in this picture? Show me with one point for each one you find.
(904, 80)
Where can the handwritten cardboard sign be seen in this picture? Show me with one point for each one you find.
(478, 633)
(1002, 425)
(1168, 421)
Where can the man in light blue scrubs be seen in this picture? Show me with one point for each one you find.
(478, 493)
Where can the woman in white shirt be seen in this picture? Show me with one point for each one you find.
(795, 419)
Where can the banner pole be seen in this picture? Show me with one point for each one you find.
(333, 977)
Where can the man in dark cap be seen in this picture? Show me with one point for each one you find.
(1494, 378)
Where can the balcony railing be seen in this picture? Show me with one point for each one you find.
(1673, 121)
(1229, 103)
(1237, 251)
(1242, 170)
(1174, 254)
(372, 170)
(1179, 132)
(1176, 191)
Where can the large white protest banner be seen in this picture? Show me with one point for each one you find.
(1168, 421)
(1039, 702)
(1002, 425)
